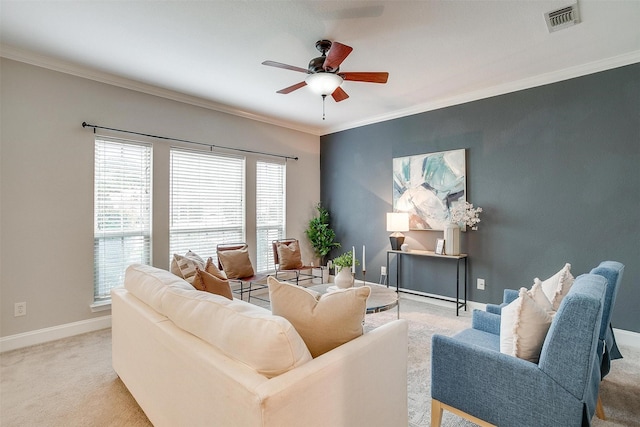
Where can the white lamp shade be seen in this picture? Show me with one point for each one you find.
(323, 83)
(397, 221)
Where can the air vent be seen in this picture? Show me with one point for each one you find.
(562, 18)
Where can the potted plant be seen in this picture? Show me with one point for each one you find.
(343, 264)
(321, 235)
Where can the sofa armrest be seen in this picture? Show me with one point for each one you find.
(362, 382)
(498, 388)
(487, 322)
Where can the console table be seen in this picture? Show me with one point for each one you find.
(460, 260)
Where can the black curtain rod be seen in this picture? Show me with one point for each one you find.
(211, 146)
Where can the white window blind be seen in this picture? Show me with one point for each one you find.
(207, 201)
(270, 210)
(122, 211)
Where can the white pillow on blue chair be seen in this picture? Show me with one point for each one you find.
(558, 285)
(538, 295)
(523, 327)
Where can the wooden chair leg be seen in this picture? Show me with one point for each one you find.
(436, 413)
(600, 409)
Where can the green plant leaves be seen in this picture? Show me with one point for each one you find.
(320, 234)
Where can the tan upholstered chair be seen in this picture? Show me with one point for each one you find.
(233, 259)
(288, 259)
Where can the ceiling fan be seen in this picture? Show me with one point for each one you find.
(324, 76)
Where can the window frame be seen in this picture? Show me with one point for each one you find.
(269, 231)
(211, 234)
(108, 183)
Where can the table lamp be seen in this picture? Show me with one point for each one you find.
(396, 223)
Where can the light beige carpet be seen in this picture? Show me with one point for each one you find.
(70, 382)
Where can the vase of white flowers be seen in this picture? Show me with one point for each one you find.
(461, 214)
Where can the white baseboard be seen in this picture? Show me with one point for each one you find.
(439, 300)
(627, 338)
(26, 339)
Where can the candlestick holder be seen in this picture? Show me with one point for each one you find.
(364, 277)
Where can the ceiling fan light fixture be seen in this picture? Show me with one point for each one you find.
(323, 83)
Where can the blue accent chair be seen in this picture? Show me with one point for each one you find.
(607, 347)
(471, 378)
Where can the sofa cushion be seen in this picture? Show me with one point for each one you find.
(245, 332)
(558, 285)
(289, 256)
(324, 321)
(204, 281)
(523, 328)
(211, 268)
(184, 266)
(236, 263)
(149, 283)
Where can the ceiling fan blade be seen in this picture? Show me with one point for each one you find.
(366, 77)
(290, 89)
(285, 66)
(339, 94)
(337, 54)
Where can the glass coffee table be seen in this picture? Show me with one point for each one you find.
(382, 298)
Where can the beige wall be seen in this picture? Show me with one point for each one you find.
(46, 180)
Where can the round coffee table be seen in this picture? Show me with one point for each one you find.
(382, 298)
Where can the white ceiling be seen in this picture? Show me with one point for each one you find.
(437, 53)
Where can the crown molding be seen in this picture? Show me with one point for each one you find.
(102, 77)
(539, 80)
(53, 64)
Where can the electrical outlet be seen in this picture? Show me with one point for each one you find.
(20, 309)
(480, 284)
(383, 270)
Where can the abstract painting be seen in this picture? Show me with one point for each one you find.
(427, 186)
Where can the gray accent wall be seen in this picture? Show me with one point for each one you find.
(556, 169)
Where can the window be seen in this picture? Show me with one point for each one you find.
(207, 201)
(122, 212)
(270, 210)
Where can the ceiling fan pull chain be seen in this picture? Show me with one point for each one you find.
(323, 99)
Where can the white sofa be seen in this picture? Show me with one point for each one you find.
(238, 365)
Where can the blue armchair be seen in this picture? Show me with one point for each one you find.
(471, 378)
(607, 347)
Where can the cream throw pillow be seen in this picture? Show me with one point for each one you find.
(289, 256)
(558, 285)
(207, 282)
(236, 263)
(540, 298)
(523, 328)
(211, 268)
(323, 321)
(185, 266)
